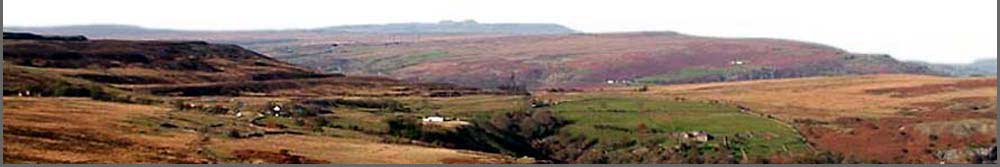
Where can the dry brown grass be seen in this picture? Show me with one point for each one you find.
(70, 130)
(874, 118)
(354, 151)
(79, 130)
(829, 98)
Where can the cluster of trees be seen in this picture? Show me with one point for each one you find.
(65, 89)
(512, 133)
(387, 105)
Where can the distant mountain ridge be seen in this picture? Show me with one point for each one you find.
(91, 30)
(443, 27)
(491, 57)
(464, 27)
(982, 67)
(587, 60)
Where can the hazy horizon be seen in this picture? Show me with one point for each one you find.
(931, 31)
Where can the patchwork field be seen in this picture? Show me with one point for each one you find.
(615, 117)
(875, 118)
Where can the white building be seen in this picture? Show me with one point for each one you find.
(624, 81)
(433, 119)
(698, 136)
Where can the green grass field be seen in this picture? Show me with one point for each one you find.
(684, 74)
(593, 114)
(469, 107)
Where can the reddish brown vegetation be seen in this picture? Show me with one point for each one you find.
(935, 88)
(878, 118)
(282, 157)
(895, 139)
(222, 62)
(83, 131)
(186, 69)
(585, 60)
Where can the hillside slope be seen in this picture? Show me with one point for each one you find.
(487, 59)
(592, 59)
(453, 27)
(872, 118)
(173, 62)
(196, 102)
(82, 131)
(57, 67)
(983, 67)
(439, 28)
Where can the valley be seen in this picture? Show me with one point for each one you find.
(482, 98)
(563, 59)
(877, 118)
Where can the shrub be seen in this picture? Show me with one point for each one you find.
(233, 133)
(404, 127)
(383, 104)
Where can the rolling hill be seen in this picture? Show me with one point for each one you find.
(452, 27)
(442, 27)
(82, 67)
(983, 67)
(592, 59)
(70, 99)
(488, 59)
(871, 118)
(158, 101)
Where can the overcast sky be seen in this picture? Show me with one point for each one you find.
(949, 31)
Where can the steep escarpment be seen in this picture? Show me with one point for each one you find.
(157, 61)
(76, 66)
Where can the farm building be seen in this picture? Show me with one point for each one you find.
(612, 82)
(433, 119)
(699, 136)
(439, 121)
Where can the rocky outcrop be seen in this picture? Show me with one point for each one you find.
(13, 35)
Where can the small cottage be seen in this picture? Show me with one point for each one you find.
(433, 119)
(699, 136)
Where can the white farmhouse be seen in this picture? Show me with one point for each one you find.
(699, 136)
(433, 119)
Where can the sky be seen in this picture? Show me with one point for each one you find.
(953, 31)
